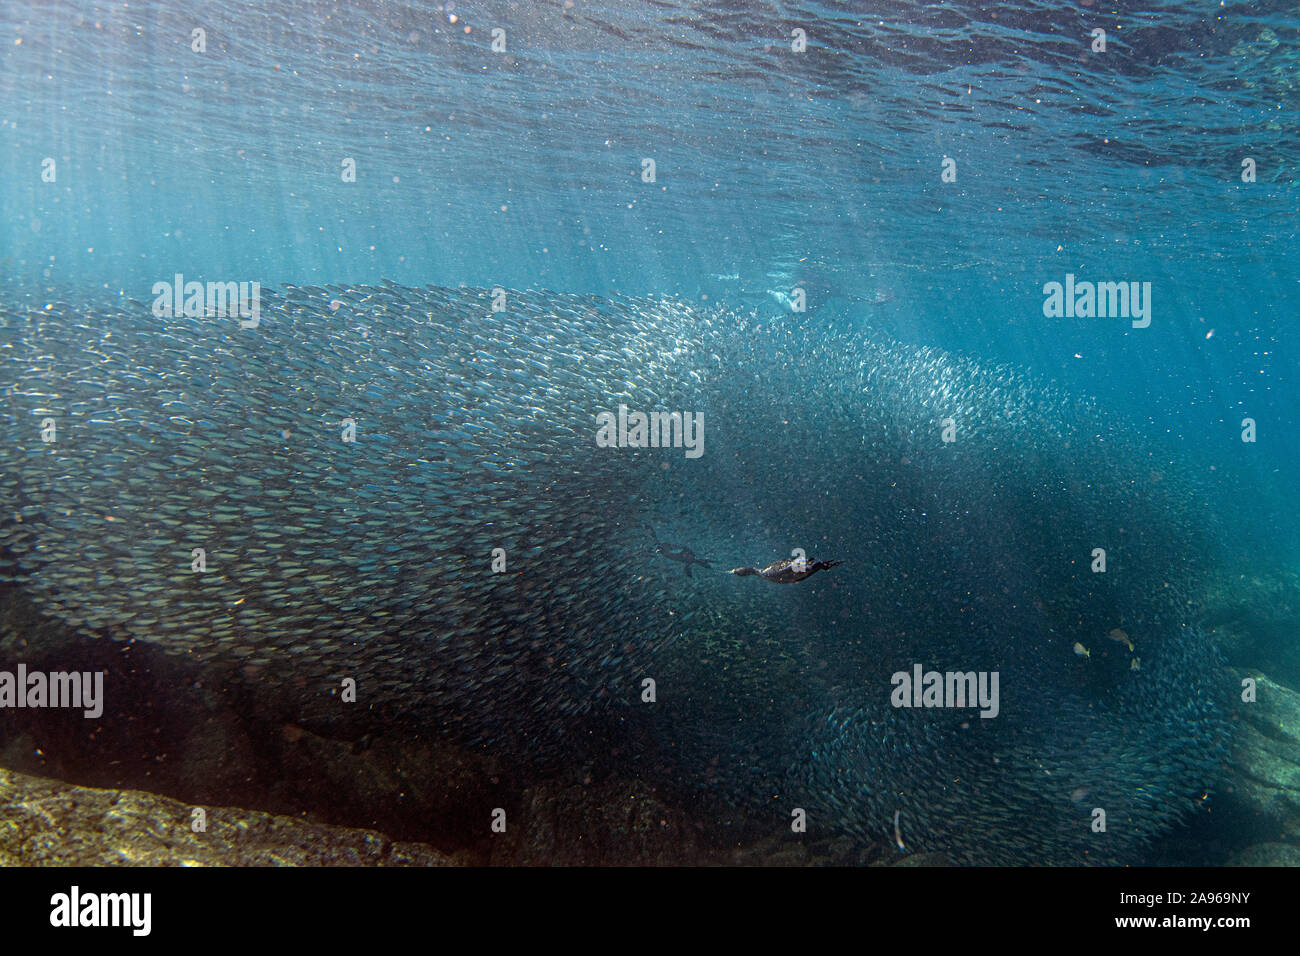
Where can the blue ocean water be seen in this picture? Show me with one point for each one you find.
(523, 168)
(921, 170)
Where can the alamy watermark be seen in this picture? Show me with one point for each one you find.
(75, 908)
(1102, 300)
(71, 689)
(214, 300)
(923, 688)
(655, 430)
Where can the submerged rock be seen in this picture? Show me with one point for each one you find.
(1267, 753)
(1267, 854)
(48, 823)
(1255, 618)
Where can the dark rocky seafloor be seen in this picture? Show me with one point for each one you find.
(120, 790)
(48, 823)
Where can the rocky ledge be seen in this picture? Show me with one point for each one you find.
(48, 823)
